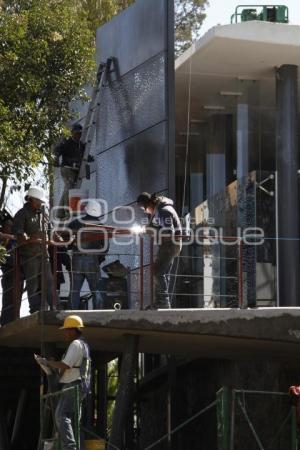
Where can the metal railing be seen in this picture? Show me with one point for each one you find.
(227, 426)
(249, 12)
(212, 277)
(287, 422)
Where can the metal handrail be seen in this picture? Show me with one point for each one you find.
(182, 425)
(290, 416)
(236, 14)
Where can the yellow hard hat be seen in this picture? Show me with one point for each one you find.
(72, 322)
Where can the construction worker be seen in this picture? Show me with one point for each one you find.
(164, 219)
(71, 153)
(28, 228)
(74, 371)
(87, 256)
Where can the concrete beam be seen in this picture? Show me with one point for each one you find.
(214, 333)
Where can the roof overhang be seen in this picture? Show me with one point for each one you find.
(226, 56)
(251, 49)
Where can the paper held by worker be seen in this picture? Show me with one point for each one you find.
(42, 362)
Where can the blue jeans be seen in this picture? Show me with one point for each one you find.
(85, 266)
(64, 414)
(161, 272)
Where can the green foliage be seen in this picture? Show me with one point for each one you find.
(189, 15)
(46, 56)
(99, 12)
(3, 254)
(112, 389)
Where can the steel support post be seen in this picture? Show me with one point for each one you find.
(141, 273)
(223, 415)
(101, 425)
(287, 181)
(125, 393)
(294, 430)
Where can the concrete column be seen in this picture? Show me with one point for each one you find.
(196, 189)
(287, 185)
(215, 159)
(246, 210)
(242, 140)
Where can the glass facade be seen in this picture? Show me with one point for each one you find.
(230, 144)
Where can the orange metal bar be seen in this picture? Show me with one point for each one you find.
(151, 270)
(54, 291)
(241, 281)
(17, 295)
(142, 273)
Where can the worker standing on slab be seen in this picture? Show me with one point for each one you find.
(164, 219)
(88, 254)
(75, 370)
(71, 152)
(28, 228)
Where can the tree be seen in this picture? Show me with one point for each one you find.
(189, 15)
(46, 56)
(99, 12)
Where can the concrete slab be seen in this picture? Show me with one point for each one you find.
(272, 333)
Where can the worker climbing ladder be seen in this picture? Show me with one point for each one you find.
(89, 128)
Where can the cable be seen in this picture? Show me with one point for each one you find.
(187, 150)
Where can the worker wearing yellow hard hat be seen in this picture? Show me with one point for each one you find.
(75, 370)
(72, 322)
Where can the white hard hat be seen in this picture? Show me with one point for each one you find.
(93, 208)
(36, 192)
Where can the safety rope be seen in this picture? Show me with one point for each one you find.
(187, 150)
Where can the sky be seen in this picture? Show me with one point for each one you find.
(220, 11)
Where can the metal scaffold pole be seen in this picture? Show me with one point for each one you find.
(223, 413)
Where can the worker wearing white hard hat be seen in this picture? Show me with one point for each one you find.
(28, 228)
(93, 208)
(88, 254)
(36, 193)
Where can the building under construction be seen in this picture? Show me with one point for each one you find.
(219, 134)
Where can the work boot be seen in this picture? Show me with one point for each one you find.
(164, 306)
(98, 304)
(153, 307)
